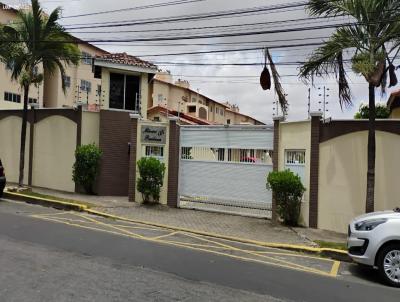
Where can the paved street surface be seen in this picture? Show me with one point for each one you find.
(50, 255)
(222, 224)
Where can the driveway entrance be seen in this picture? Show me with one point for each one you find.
(225, 168)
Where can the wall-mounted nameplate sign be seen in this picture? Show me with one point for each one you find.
(154, 134)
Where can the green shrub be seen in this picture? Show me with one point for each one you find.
(288, 191)
(151, 172)
(85, 169)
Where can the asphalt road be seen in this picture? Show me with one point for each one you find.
(44, 260)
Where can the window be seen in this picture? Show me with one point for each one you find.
(124, 92)
(221, 111)
(192, 109)
(155, 151)
(160, 98)
(295, 157)
(156, 119)
(211, 109)
(194, 100)
(67, 81)
(86, 58)
(228, 122)
(86, 86)
(12, 97)
(10, 65)
(186, 153)
(32, 101)
(35, 71)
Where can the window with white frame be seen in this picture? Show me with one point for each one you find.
(154, 151)
(32, 101)
(295, 157)
(86, 58)
(86, 86)
(12, 97)
(67, 81)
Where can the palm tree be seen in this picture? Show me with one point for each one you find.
(371, 41)
(34, 40)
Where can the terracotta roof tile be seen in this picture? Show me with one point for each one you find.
(125, 59)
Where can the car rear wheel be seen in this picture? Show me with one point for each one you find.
(389, 264)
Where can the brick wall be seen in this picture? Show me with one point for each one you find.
(115, 134)
(173, 165)
(314, 171)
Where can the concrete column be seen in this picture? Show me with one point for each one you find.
(314, 168)
(275, 160)
(173, 163)
(133, 156)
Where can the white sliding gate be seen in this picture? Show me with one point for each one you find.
(225, 169)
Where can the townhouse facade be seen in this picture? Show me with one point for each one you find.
(81, 85)
(177, 98)
(84, 88)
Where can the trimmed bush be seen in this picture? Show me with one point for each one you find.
(151, 179)
(85, 169)
(288, 191)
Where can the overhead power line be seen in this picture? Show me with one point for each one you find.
(225, 35)
(201, 27)
(231, 50)
(142, 7)
(190, 18)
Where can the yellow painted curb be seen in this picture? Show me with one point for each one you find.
(208, 234)
(84, 208)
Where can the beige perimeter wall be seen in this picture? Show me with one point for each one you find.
(342, 178)
(297, 136)
(90, 128)
(10, 137)
(53, 153)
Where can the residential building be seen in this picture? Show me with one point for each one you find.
(160, 96)
(81, 85)
(179, 99)
(126, 80)
(10, 91)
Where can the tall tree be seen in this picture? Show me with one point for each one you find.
(33, 40)
(369, 43)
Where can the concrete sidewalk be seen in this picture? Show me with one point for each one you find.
(221, 224)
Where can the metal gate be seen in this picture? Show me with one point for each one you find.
(224, 169)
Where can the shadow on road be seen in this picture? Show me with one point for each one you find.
(365, 273)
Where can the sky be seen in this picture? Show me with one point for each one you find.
(236, 84)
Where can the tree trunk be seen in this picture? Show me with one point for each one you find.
(23, 137)
(370, 200)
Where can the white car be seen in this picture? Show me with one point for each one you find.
(374, 240)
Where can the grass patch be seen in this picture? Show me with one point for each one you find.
(331, 245)
(38, 195)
